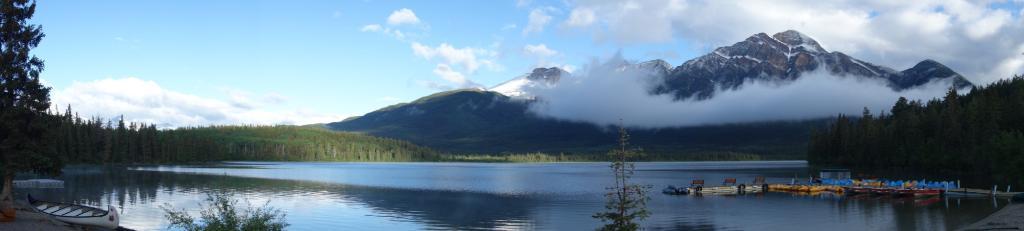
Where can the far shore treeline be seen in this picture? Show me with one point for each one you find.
(100, 141)
(978, 134)
(96, 141)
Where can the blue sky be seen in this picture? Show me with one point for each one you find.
(319, 61)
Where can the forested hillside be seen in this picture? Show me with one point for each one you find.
(485, 122)
(97, 141)
(979, 134)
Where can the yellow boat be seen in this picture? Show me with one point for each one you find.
(804, 188)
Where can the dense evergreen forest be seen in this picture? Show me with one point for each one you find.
(98, 141)
(977, 134)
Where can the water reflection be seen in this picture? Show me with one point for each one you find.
(137, 192)
(547, 197)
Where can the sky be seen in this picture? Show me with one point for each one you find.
(187, 63)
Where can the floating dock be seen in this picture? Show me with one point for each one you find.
(39, 183)
(981, 192)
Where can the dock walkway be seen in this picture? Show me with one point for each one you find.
(985, 192)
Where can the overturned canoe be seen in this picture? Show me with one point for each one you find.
(77, 214)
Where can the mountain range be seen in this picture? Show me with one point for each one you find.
(499, 119)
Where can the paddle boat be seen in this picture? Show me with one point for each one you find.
(882, 191)
(77, 214)
(697, 187)
(673, 190)
(857, 190)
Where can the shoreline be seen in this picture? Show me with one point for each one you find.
(31, 220)
(28, 220)
(1010, 217)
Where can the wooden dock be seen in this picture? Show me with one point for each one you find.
(983, 192)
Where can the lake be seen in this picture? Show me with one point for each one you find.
(496, 196)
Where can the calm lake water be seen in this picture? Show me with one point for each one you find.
(493, 196)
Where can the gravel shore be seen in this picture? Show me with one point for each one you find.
(29, 220)
(1010, 217)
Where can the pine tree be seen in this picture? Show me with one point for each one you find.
(24, 122)
(626, 203)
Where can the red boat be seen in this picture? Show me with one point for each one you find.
(882, 191)
(917, 192)
(856, 190)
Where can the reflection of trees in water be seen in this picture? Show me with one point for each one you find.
(445, 209)
(908, 213)
(915, 214)
(683, 225)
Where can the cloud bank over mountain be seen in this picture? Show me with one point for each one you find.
(984, 40)
(604, 92)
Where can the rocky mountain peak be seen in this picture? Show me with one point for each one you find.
(655, 67)
(785, 56)
(928, 70)
(797, 40)
(549, 75)
(541, 77)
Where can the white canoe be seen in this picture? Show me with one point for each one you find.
(727, 189)
(77, 214)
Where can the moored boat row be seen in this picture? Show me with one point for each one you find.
(698, 188)
(805, 188)
(728, 187)
(908, 192)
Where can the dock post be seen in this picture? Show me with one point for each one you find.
(958, 183)
(994, 188)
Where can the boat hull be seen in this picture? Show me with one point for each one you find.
(77, 214)
(917, 192)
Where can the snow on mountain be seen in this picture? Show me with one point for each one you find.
(785, 56)
(539, 78)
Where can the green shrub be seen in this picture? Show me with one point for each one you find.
(221, 214)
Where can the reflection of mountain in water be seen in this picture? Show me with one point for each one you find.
(439, 209)
(314, 205)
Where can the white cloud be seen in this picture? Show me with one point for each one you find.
(403, 16)
(542, 56)
(625, 95)
(377, 28)
(538, 19)
(467, 58)
(568, 68)
(146, 101)
(580, 17)
(453, 76)
(539, 50)
(371, 28)
(969, 36)
(275, 98)
(988, 25)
